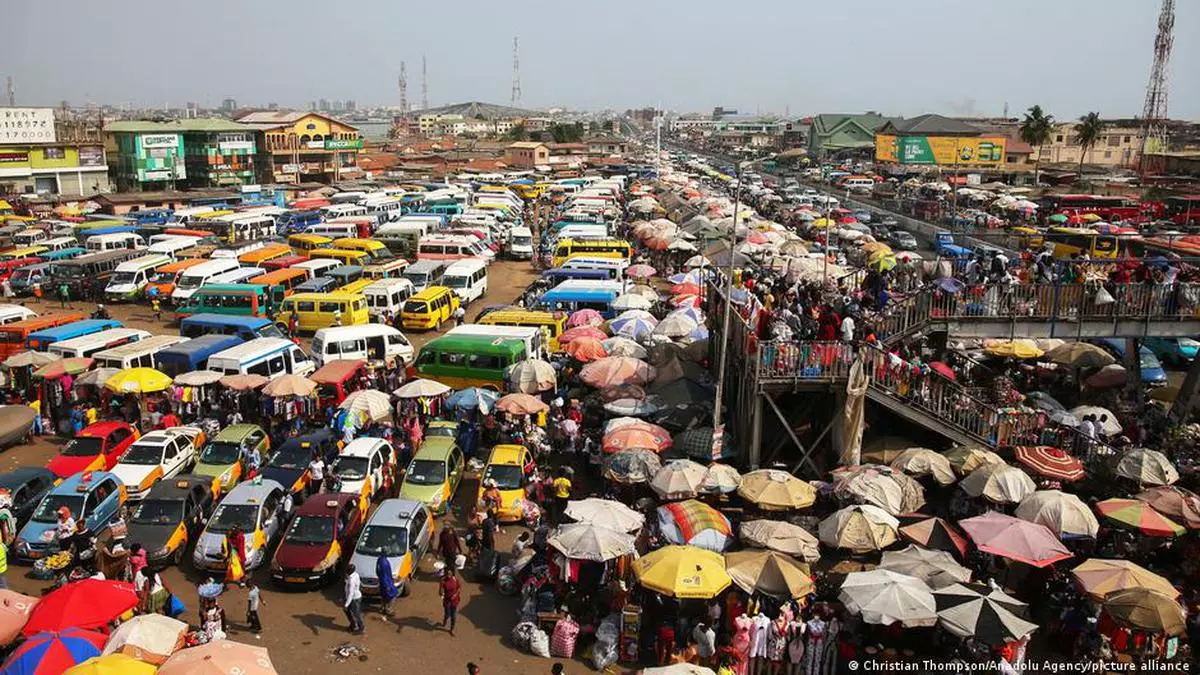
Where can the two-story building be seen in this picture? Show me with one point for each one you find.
(1119, 145)
(40, 154)
(606, 145)
(196, 153)
(526, 154)
(296, 147)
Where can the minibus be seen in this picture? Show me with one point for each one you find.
(14, 313)
(560, 274)
(269, 357)
(130, 278)
(283, 263)
(361, 227)
(190, 355)
(315, 311)
(356, 286)
(9, 267)
(375, 343)
(235, 299)
(59, 244)
(194, 277)
(139, 354)
(341, 211)
(34, 236)
(317, 268)
(520, 243)
(288, 279)
(88, 345)
(150, 216)
(42, 339)
(305, 242)
(245, 327)
(402, 238)
(533, 337)
(601, 248)
(552, 323)
(235, 228)
(440, 247)
(348, 197)
(15, 336)
(237, 275)
(237, 250)
(385, 209)
(63, 254)
(388, 269)
(23, 279)
(385, 297)
(26, 253)
(317, 285)
(163, 280)
(171, 244)
(186, 216)
(88, 271)
(202, 251)
(573, 295)
(613, 267)
(345, 274)
(345, 256)
(112, 242)
(460, 361)
(429, 308)
(269, 252)
(296, 221)
(468, 279)
(377, 250)
(576, 231)
(425, 273)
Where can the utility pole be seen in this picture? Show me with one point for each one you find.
(516, 80)
(718, 426)
(403, 88)
(658, 120)
(424, 85)
(12, 93)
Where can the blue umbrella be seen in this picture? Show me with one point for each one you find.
(53, 652)
(950, 285)
(470, 398)
(632, 327)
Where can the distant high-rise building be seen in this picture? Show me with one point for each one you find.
(312, 105)
(323, 105)
(272, 106)
(228, 105)
(351, 106)
(338, 106)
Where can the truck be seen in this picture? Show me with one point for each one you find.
(944, 246)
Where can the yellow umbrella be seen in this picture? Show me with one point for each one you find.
(682, 572)
(1099, 577)
(1091, 218)
(769, 572)
(1014, 349)
(882, 261)
(776, 490)
(1144, 609)
(138, 381)
(874, 247)
(112, 664)
(823, 222)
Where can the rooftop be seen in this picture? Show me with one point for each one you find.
(931, 123)
(477, 110)
(202, 124)
(266, 119)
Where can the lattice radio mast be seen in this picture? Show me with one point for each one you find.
(1154, 113)
(424, 85)
(403, 88)
(11, 92)
(516, 84)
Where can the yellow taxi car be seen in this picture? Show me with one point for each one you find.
(504, 480)
(401, 529)
(171, 515)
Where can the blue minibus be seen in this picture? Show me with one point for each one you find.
(245, 327)
(42, 339)
(193, 354)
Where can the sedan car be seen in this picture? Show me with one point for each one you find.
(1152, 373)
(25, 486)
(93, 498)
(222, 457)
(171, 515)
(258, 508)
(1172, 351)
(289, 463)
(96, 448)
(904, 241)
(158, 455)
(366, 467)
(318, 538)
(401, 529)
(434, 473)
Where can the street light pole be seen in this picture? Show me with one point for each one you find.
(718, 427)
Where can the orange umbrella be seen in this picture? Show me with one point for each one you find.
(614, 371)
(657, 243)
(14, 614)
(586, 349)
(581, 332)
(245, 382)
(219, 657)
(685, 289)
(637, 437)
(521, 404)
(1139, 516)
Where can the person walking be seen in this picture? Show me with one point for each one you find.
(387, 584)
(253, 602)
(449, 546)
(352, 600)
(156, 306)
(64, 294)
(562, 494)
(449, 590)
(460, 315)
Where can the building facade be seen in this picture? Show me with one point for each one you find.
(934, 140)
(297, 147)
(41, 154)
(526, 154)
(1119, 145)
(188, 153)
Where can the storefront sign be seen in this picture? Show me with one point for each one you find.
(291, 168)
(343, 143)
(230, 146)
(945, 150)
(160, 140)
(14, 156)
(157, 175)
(90, 155)
(27, 125)
(315, 145)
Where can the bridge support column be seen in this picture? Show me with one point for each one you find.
(837, 424)
(1187, 394)
(755, 450)
(1133, 373)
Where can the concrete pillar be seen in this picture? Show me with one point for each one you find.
(1133, 372)
(754, 451)
(1187, 393)
(837, 431)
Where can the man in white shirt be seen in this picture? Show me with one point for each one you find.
(352, 600)
(848, 329)
(706, 643)
(316, 471)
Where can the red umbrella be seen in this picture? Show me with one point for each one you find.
(579, 332)
(944, 369)
(1015, 539)
(756, 237)
(657, 243)
(586, 349)
(1140, 516)
(585, 317)
(685, 289)
(89, 603)
(637, 437)
(1050, 462)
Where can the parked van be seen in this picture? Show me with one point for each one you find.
(315, 311)
(195, 277)
(344, 256)
(468, 279)
(245, 327)
(170, 245)
(447, 248)
(139, 354)
(59, 243)
(345, 274)
(15, 335)
(288, 279)
(34, 236)
(305, 242)
(430, 308)
(573, 295)
(425, 273)
(87, 345)
(533, 337)
(520, 243)
(318, 285)
(342, 211)
(164, 278)
(402, 237)
(237, 250)
(600, 248)
(284, 262)
(237, 275)
(551, 323)
(269, 252)
(14, 313)
(614, 268)
(89, 271)
(112, 242)
(188, 215)
(377, 250)
(23, 279)
(27, 253)
(318, 267)
(387, 269)
(234, 299)
(375, 343)
(386, 297)
(184, 357)
(131, 277)
(459, 361)
(269, 357)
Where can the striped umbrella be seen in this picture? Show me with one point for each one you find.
(1140, 516)
(1050, 462)
(51, 652)
(976, 610)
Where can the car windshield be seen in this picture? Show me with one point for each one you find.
(522, 240)
(507, 476)
(426, 472)
(162, 278)
(386, 540)
(455, 282)
(415, 307)
(310, 530)
(123, 277)
(439, 430)
(158, 512)
(68, 271)
(228, 515)
(221, 452)
(83, 446)
(142, 453)
(188, 282)
(270, 330)
(352, 468)
(290, 458)
(48, 510)
(1147, 360)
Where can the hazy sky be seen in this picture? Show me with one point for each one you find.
(895, 56)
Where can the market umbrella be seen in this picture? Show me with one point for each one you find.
(376, 405)
(472, 398)
(632, 407)
(30, 359)
(219, 657)
(782, 536)
(720, 479)
(884, 597)
(521, 404)
(631, 466)
(880, 485)
(97, 377)
(623, 346)
(944, 370)
(1112, 375)
(1015, 539)
(682, 572)
(999, 483)
(695, 523)
(1050, 462)
(532, 376)
(933, 532)
(1014, 349)
(585, 317)
(1064, 513)
(112, 664)
(152, 638)
(52, 652)
(1110, 427)
(861, 528)
(769, 573)
(605, 513)
(639, 435)
(1147, 467)
(421, 388)
(1144, 609)
(580, 332)
(773, 489)
(586, 349)
(678, 479)
(965, 460)
(1176, 502)
(14, 614)
(589, 541)
(243, 382)
(1099, 577)
(614, 371)
(681, 245)
(675, 325)
(138, 381)
(1080, 355)
(640, 271)
(685, 289)
(635, 327)
(979, 611)
(631, 300)
(60, 367)
(1140, 516)
(1057, 218)
(924, 462)
(198, 378)
(290, 385)
(938, 569)
(89, 603)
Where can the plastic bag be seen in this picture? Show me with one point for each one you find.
(506, 581)
(1103, 297)
(604, 651)
(522, 632)
(539, 643)
(562, 641)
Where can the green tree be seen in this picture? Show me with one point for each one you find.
(1087, 134)
(517, 133)
(1035, 130)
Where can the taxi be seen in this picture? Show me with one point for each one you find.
(94, 498)
(171, 515)
(259, 509)
(157, 455)
(401, 529)
(288, 464)
(222, 457)
(96, 448)
(434, 473)
(318, 540)
(508, 467)
(366, 467)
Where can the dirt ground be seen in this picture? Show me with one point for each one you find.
(301, 628)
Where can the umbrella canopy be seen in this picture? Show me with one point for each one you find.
(698, 444)
(112, 664)
(1111, 375)
(30, 359)
(97, 377)
(532, 376)
(521, 404)
(472, 398)
(586, 349)
(138, 381)
(631, 301)
(880, 486)
(52, 652)
(695, 523)
(770, 573)
(933, 532)
(1064, 513)
(58, 368)
(682, 572)
(1139, 516)
(1147, 467)
(1015, 539)
(14, 614)
(1080, 355)
(586, 317)
(246, 382)
(782, 536)
(1014, 349)
(1099, 577)
(773, 489)
(152, 638)
(605, 513)
(421, 388)
(638, 435)
(861, 528)
(938, 569)
(588, 541)
(614, 371)
(965, 460)
(1176, 502)
(999, 483)
(976, 610)
(1110, 426)
(943, 369)
(631, 466)
(290, 385)
(376, 405)
(720, 479)
(89, 603)
(631, 407)
(1144, 609)
(884, 597)
(623, 346)
(219, 657)
(640, 271)
(924, 462)
(675, 325)
(580, 332)
(1050, 462)
(198, 378)
(678, 479)
(635, 327)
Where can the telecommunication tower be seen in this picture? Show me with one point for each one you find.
(1154, 113)
(424, 85)
(516, 83)
(403, 88)
(12, 93)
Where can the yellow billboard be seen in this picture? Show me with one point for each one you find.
(885, 148)
(940, 150)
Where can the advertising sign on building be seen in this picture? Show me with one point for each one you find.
(159, 140)
(91, 155)
(343, 143)
(156, 175)
(947, 150)
(234, 142)
(14, 157)
(315, 145)
(27, 125)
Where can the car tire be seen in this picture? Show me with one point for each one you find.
(404, 589)
(177, 557)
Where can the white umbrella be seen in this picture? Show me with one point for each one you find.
(631, 301)
(1000, 483)
(532, 376)
(884, 597)
(151, 638)
(198, 378)
(675, 325)
(376, 404)
(782, 536)
(1110, 427)
(681, 245)
(605, 513)
(697, 261)
(1147, 467)
(1062, 512)
(861, 528)
(936, 568)
(623, 346)
(421, 387)
(720, 479)
(678, 479)
(589, 541)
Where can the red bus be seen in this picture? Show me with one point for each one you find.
(308, 204)
(1182, 210)
(281, 263)
(1108, 208)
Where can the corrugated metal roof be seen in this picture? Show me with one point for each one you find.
(203, 124)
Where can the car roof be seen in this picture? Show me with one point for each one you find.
(507, 454)
(252, 492)
(435, 447)
(361, 447)
(102, 428)
(179, 487)
(395, 511)
(319, 504)
(73, 484)
(22, 475)
(236, 432)
(447, 424)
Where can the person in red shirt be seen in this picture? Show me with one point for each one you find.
(170, 419)
(449, 590)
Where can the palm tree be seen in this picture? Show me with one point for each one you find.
(1087, 133)
(1035, 130)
